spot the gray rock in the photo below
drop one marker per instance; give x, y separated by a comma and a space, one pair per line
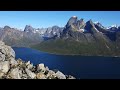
15, 73
19, 61
1, 74
24, 76
47, 69
41, 76
4, 66
30, 66
13, 62
6, 50
30, 74
41, 67
60, 75
51, 75
11, 52
3, 50
70, 77
27, 63
2, 57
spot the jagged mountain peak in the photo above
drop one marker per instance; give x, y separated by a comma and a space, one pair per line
7, 27
113, 26
74, 16
89, 24
28, 28
90, 21
71, 21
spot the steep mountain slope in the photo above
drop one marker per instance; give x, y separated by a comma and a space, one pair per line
83, 38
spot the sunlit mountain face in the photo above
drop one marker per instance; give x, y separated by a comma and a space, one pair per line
80, 37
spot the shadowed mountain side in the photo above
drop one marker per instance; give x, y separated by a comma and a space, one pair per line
83, 38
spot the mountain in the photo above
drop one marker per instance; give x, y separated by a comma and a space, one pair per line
30, 30
27, 37
52, 32
76, 37
84, 38
15, 37
82, 32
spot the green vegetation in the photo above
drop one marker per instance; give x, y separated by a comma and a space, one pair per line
67, 47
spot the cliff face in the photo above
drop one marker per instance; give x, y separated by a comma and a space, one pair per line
18, 69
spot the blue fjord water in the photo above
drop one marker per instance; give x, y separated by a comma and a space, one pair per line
84, 67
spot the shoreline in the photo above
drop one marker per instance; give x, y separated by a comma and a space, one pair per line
12, 68
66, 54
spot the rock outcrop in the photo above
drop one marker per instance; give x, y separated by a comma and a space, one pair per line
18, 69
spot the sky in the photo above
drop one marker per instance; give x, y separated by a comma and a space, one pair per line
43, 19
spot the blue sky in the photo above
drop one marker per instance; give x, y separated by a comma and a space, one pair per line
39, 19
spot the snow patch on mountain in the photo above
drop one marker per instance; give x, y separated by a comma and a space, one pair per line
113, 26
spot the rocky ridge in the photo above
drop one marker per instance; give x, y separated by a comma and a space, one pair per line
19, 69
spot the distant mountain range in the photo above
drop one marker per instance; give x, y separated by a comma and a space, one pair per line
29, 36
77, 37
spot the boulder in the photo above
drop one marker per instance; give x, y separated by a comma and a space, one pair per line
30, 74
60, 75
27, 63
15, 73
24, 76
41, 76
51, 75
41, 67
3, 50
70, 77
30, 66
11, 52
1, 74
2, 57
47, 69
6, 51
19, 61
4, 66
13, 62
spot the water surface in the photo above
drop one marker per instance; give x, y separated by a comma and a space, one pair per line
84, 67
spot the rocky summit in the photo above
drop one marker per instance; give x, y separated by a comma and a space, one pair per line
19, 69
87, 38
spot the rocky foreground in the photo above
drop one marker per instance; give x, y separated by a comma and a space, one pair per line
18, 69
